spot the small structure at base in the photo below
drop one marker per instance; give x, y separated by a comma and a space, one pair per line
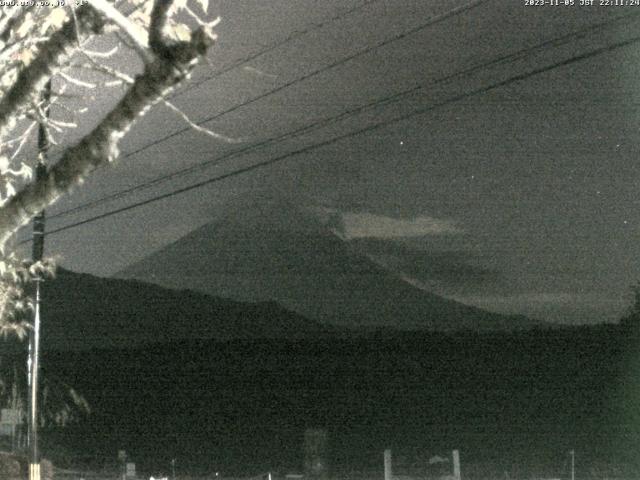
316, 452
16, 467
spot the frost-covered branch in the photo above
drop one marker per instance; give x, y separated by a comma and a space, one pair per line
33, 77
93, 64
156, 26
107, 54
23, 139
42, 44
11, 21
137, 37
100, 146
198, 128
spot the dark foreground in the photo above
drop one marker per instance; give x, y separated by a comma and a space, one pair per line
514, 404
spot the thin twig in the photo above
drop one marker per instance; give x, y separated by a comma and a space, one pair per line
136, 35
77, 82
107, 54
197, 127
23, 141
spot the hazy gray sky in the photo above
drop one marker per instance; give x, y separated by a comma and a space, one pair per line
522, 199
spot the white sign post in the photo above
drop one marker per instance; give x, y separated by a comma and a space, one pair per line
388, 471
456, 464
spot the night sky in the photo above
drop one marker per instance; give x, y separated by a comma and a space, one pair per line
527, 193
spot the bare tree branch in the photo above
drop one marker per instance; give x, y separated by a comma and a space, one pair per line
36, 74
107, 54
198, 128
156, 27
99, 67
23, 140
137, 37
101, 145
10, 21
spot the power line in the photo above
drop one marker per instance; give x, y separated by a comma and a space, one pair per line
432, 21
563, 39
370, 128
242, 61
274, 46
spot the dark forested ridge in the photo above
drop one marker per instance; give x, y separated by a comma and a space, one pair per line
81, 311
242, 406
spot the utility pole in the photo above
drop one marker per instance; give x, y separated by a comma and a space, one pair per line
573, 464
34, 340
388, 467
456, 464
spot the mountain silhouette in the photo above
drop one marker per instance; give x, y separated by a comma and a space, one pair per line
81, 311
266, 248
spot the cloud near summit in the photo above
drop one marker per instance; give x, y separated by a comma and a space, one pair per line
368, 225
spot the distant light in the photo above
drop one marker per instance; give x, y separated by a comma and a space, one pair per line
401, 142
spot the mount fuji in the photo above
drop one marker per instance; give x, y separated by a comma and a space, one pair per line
266, 248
